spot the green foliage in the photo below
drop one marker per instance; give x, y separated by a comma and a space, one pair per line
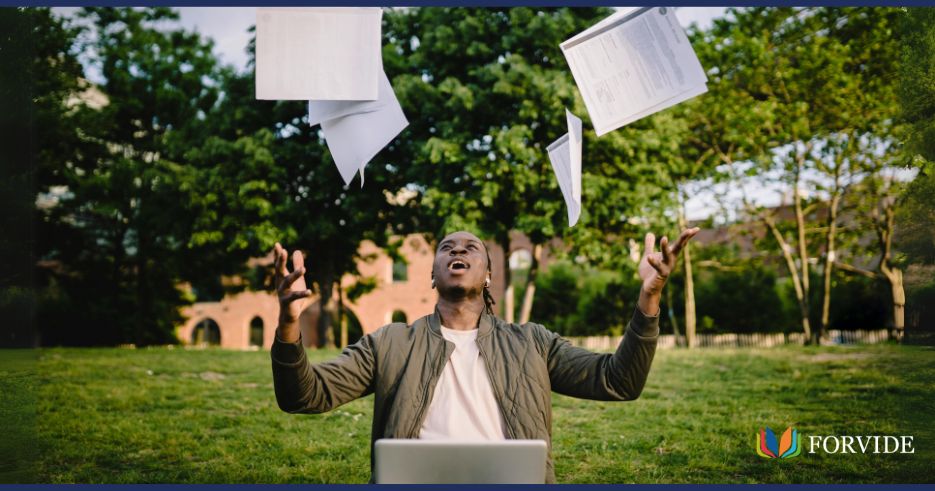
734, 293
858, 302
803, 100
575, 300
122, 226
38, 73
915, 234
361, 287
557, 294
917, 78
922, 298
741, 300
486, 91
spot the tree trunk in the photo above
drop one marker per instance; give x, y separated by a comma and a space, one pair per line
530, 294
803, 248
325, 333
672, 318
830, 253
117, 272
800, 292
800, 227
899, 304
894, 276
822, 330
690, 318
342, 318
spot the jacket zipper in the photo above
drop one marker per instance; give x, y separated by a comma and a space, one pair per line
425, 394
499, 394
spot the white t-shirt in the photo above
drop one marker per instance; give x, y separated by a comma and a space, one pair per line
463, 406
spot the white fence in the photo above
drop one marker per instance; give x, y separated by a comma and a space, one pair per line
754, 340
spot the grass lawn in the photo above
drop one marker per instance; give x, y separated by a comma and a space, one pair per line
173, 415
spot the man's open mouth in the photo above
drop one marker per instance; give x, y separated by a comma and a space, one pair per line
457, 265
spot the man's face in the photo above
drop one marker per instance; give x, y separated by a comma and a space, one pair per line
460, 264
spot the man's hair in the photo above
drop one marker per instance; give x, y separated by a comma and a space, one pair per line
488, 298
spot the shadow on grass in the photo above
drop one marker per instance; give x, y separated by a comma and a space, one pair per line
18, 449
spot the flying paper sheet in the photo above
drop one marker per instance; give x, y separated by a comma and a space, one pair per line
565, 155
355, 137
321, 111
318, 53
636, 62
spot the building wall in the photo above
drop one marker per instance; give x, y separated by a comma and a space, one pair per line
414, 297
233, 315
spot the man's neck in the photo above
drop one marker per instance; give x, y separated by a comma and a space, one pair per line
461, 314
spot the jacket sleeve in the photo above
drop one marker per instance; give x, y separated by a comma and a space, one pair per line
302, 387
619, 376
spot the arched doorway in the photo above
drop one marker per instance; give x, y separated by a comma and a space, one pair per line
256, 332
206, 333
399, 316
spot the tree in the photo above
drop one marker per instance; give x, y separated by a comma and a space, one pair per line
752, 113
310, 208
916, 218
803, 97
486, 92
39, 72
917, 79
122, 222
686, 166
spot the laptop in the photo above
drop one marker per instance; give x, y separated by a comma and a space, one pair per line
407, 461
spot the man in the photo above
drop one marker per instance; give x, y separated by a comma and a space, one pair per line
461, 372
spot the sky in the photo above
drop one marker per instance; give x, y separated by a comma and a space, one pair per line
228, 26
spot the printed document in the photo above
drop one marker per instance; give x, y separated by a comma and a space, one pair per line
636, 62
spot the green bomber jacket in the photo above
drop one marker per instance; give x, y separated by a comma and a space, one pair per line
400, 364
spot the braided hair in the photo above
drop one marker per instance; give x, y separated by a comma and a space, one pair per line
488, 297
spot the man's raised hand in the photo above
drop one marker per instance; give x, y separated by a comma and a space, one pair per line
655, 267
290, 287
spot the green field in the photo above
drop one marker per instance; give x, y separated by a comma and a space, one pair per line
209, 416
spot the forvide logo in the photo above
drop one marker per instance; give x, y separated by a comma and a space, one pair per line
788, 446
